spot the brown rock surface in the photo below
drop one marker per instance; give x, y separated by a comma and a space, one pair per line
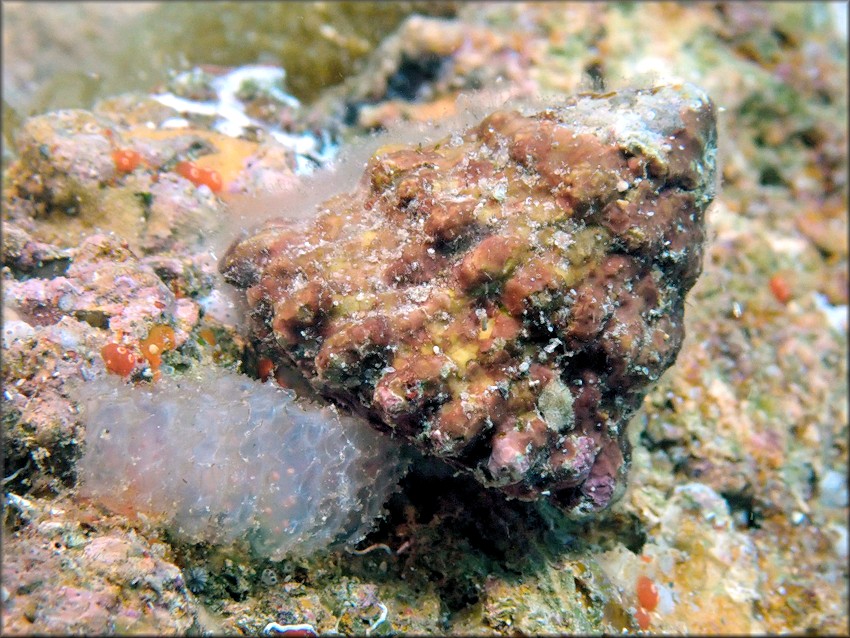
505, 297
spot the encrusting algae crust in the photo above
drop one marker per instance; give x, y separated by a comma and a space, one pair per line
504, 297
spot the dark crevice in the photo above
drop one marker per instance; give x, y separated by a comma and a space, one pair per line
770, 176
413, 75
745, 502
663, 445
595, 73
46, 269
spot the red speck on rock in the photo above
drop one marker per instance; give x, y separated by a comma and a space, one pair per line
126, 160
780, 288
119, 359
199, 175
643, 618
647, 593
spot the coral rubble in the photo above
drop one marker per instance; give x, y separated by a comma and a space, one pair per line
504, 297
69, 569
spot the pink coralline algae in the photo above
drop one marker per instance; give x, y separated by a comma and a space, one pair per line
502, 298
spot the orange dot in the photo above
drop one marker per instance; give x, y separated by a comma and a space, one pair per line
643, 618
198, 176
188, 170
647, 593
118, 359
212, 179
780, 288
126, 160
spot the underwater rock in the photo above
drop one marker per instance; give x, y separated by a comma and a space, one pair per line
505, 297
68, 569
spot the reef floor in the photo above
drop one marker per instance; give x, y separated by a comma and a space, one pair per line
115, 214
